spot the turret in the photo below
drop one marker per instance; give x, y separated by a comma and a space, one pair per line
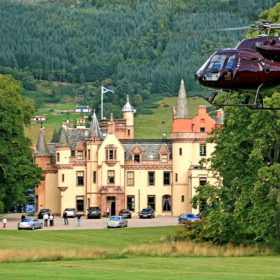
181, 119
128, 115
63, 149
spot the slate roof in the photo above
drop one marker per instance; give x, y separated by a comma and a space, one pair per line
74, 136
182, 111
128, 107
150, 151
63, 138
41, 147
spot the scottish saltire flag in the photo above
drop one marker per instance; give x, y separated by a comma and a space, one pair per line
106, 90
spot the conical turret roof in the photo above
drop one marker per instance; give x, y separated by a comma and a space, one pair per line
128, 107
94, 127
182, 110
63, 138
41, 147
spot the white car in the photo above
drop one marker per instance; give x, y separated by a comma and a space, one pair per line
117, 221
71, 212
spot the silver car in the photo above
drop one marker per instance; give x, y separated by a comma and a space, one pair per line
117, 221
30, 223
71, 212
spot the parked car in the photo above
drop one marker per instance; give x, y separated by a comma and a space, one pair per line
117, 221
71, 212
94, 212
30, 223
125, 213
147, 213
42, 212
188, 217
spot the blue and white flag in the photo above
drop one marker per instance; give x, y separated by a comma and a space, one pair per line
106, 90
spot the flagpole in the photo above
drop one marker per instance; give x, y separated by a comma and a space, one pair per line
101, 103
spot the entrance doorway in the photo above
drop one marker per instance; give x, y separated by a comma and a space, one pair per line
111, 204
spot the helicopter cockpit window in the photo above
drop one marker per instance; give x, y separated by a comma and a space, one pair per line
230, 62
216, 62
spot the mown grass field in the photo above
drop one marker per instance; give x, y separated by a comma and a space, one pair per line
147, 268
122, 266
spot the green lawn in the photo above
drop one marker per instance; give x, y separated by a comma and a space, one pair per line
147, 268
120, 266
111, 240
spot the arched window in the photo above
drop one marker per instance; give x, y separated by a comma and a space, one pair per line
166, 203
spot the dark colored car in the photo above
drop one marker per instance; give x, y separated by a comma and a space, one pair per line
188, 217
125, 213
42, 212
94, 212
147, 213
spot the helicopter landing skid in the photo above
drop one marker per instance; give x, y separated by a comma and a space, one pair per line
254, 105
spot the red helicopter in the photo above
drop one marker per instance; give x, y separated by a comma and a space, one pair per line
254, 64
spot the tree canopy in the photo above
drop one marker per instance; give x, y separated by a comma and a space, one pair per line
18, 174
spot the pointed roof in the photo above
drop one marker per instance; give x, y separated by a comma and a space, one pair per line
94, 127
63, 138
41, 147
128, 107
182, 111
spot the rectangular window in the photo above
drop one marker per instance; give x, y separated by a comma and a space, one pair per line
164, 158
111, 154
152, 202
202, 129
80, 155
176, 177
166, 178
128, 132
111, 177
62, 178
88, 151
80, 178
94, 177
72, 153
136, 158
130, 202
180, 151
57, 157
151, 178
202, 181
80, 203
202, 149
130, 178
182, 198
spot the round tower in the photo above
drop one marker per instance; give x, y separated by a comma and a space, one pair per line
128, 115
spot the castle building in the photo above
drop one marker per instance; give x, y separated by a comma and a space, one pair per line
104, 165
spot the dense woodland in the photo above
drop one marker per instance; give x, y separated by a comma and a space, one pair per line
140, 48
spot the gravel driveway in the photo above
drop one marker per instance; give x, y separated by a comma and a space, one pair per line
13, 219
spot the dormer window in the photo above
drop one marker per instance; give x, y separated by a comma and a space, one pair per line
80, 155
136, 158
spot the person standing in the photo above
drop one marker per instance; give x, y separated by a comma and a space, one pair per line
45, 218
23, 217
51, 219
108, 212
78, 220
65, 218
4, 223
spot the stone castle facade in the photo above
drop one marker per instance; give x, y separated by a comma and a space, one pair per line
104, 165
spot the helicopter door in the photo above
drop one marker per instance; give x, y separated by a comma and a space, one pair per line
214, 68
229, 67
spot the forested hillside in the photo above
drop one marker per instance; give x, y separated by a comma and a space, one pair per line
142, 48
